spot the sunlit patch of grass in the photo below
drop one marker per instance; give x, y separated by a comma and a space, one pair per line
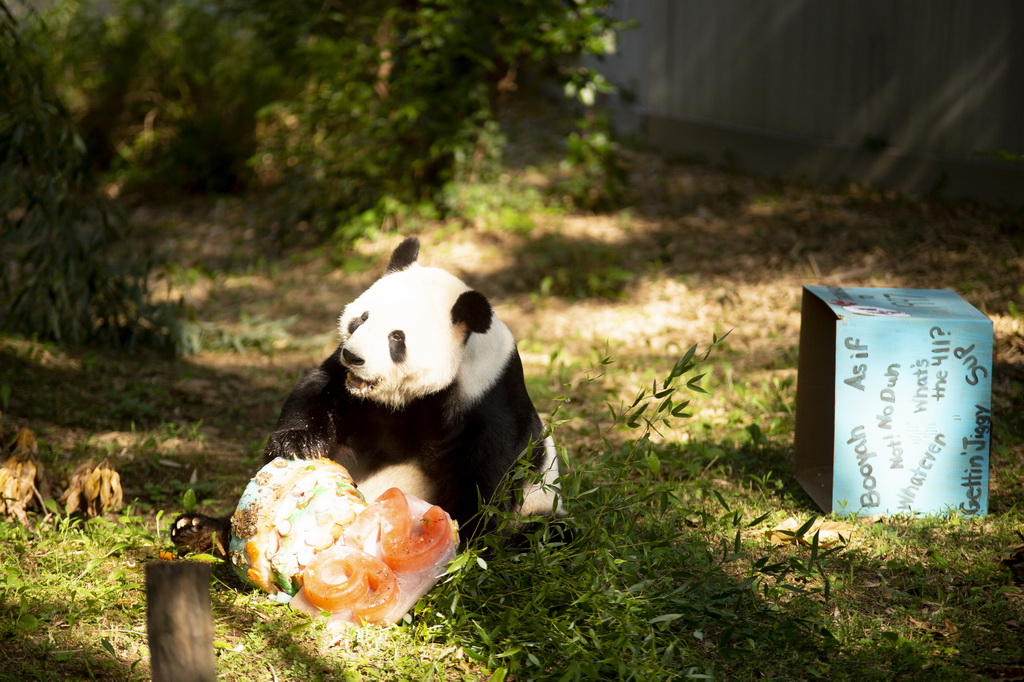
672, 574
647, 590
73, 602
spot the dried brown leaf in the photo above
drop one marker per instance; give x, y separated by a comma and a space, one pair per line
945, 629
784, 533
114, 497
830, 533
93, 490
19, 476
105, 490
26, 444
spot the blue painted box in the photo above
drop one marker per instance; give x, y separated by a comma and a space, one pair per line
893, 401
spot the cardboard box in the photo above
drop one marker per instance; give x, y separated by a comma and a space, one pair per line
893, 410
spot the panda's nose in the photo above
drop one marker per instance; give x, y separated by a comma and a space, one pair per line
351, 358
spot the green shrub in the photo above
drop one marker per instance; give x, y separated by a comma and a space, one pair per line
166, 91
597, 180
67, 272
400, 100
346, 108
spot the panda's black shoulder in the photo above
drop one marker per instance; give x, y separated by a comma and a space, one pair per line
507, 406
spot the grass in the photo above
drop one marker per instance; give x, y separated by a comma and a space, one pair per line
673, 575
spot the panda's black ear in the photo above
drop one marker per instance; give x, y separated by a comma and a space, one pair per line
473, 310
404, 255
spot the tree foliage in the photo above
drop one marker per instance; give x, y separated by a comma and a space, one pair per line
165, 92
65, 271
345, 111
341, 106
408, 102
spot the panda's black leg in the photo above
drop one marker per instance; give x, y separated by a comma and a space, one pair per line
201, 534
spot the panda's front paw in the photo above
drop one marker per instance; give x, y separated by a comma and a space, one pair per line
296, 444
201, 534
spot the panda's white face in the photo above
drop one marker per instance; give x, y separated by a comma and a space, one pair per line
400, 340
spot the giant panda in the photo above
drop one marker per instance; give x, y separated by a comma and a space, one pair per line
425, 392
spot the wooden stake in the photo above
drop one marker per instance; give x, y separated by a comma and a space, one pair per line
179, 621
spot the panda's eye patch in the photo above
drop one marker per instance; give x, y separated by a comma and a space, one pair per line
396, 344
355, 322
